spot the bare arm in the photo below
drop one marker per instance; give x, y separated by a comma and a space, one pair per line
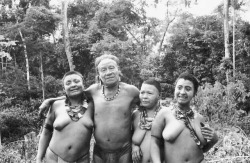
47, 104
45, 136
136, 150
156, 137
155, 150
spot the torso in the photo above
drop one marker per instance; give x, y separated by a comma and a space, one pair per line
142, 137
70, 139
177, 139
112, 119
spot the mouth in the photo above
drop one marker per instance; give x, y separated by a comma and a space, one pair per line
74, 90
182, 98
145, 102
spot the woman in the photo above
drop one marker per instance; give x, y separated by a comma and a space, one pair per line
68, 126
182, 129
143, 118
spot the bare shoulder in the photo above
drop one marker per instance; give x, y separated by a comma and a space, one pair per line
133, 90
57, 105
135, 114
92, 88
165, 113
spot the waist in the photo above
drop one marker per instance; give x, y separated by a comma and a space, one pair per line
117, 150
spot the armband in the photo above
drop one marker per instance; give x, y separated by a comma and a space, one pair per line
48, 127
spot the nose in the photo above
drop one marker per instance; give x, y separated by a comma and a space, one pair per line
144, 95
182, 91
108, 72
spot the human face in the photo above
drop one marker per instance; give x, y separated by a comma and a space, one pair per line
184, 91
73, 85
108, 72
149, 96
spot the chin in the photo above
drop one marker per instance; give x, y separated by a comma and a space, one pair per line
111, 84
75, 94
183, 103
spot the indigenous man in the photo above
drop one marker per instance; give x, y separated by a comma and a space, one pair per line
113, 101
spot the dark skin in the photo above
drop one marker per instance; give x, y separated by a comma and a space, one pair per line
149, 97
70, 139
176, 135
112, 119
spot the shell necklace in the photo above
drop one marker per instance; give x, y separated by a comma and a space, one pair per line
185, 116
143, 123
76, 112
113, 97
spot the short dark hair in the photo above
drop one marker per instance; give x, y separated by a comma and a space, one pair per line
72, 73
152, 81
190, 77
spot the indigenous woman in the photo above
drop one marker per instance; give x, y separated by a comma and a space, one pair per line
68, 126
143, 118
181, 128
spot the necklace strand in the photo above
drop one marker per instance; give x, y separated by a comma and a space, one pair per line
76, 112
113, 97
185, 118
143, 123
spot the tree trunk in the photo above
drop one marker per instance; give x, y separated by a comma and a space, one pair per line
226, 28
233, 3
0, 139
66, 35
42, 75
26, 59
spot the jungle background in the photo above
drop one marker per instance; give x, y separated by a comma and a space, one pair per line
39, 42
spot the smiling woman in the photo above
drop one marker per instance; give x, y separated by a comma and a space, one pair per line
68, 126
181, 128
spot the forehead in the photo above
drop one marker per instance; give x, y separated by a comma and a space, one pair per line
107, 62
184, 82
72, 77
149, 87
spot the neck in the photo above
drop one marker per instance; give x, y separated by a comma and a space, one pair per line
111, 87
184, 107
75, 101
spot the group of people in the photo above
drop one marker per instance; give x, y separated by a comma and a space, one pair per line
149, 133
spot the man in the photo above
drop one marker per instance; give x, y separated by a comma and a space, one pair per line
113, 101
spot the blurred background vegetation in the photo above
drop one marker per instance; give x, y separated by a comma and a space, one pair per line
34, 56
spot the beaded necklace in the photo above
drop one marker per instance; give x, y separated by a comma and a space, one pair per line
185, 117
76, 112
113, 97
143, 123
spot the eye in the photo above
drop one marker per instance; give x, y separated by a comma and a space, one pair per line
179, 87
188, 88
76, 80
67, 83
103, 69
111, 67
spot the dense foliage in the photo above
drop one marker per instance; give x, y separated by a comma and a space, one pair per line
31, 39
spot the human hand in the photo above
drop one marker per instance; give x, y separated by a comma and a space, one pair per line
136, 153
209, 134
46, 104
